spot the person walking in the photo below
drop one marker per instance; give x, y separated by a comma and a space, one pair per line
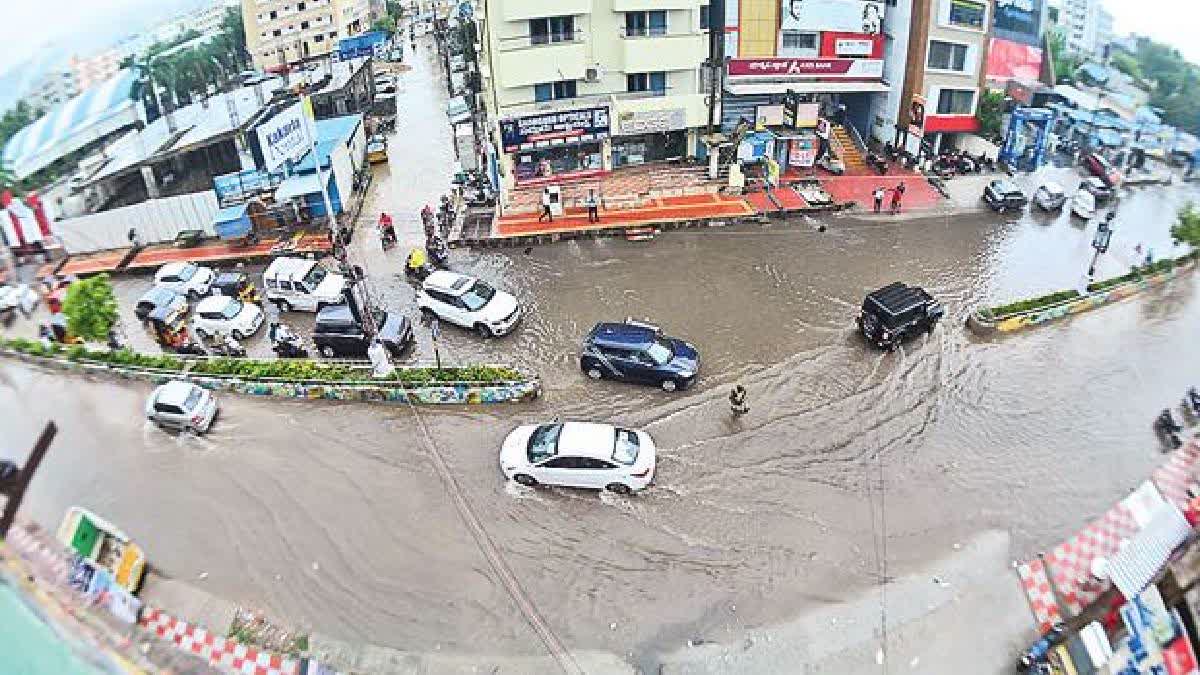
877, 195
737, 401
897, 197
592, 206
546, 214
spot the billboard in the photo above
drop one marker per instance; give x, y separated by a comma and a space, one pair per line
284, 137
805, 68
1018, 20
1013, 61
852, 16
548, 128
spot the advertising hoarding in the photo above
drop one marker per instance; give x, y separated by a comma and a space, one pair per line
1018, 20
542, 130
853, 47
284, 137
854, 16
805, 68
1013, 61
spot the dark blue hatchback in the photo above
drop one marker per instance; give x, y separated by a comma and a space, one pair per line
639, 352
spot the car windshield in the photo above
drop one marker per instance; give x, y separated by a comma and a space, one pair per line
193, 399
187, 272
478, 296
625, 447
543, 444
315, 276
232, 309
660, 352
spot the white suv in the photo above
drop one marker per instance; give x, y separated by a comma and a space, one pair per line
185, 278
225, 315
299, 283
468, 302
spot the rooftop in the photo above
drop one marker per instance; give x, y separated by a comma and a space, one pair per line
621, 335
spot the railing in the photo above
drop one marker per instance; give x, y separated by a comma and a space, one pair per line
645, 31
854, 135
530, 40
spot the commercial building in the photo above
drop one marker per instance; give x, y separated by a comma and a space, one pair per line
575, 88
1085, 25
96, 68
945, 74
280, 32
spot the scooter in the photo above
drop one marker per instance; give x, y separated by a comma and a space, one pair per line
285, 343
1191, 403
227, 345
417, 267
439, 254
1168, 429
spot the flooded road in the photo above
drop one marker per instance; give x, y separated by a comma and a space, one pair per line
332, 517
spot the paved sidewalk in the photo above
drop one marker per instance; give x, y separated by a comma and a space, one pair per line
657, 211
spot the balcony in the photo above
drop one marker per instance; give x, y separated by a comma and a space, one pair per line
646, 53
527, 64
521, 10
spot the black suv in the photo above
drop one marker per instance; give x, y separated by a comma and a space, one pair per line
1003, 195
337, 333
896, 311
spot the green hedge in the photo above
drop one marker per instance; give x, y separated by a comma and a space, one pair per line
1063, 296
287, 369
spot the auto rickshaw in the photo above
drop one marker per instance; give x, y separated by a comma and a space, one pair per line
171, 332
236, 285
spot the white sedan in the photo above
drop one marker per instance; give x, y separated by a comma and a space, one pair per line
225, 315
185, 278
182, 405
579, 454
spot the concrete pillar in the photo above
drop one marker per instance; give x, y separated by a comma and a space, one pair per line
150, 181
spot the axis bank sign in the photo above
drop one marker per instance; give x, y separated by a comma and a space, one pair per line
858, 69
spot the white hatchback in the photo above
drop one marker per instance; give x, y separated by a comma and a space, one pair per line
225, 315
579, 454
182, 405
469, 302
185, 278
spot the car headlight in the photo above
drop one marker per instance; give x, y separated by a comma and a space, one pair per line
687, 373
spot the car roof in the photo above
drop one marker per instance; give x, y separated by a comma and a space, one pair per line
214, 303
172, 267
335, 314
288, 268
586, 439
175, 392
1094, 180
158, 295
611, 334
1051, 186
1006, 186
229, 277
896, 297
448, 282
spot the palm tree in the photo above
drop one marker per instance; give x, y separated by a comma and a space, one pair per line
233, 29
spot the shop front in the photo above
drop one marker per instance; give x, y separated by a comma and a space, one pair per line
557, 145
649, 136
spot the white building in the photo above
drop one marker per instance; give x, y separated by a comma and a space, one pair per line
287, 31
1086, 25
56, 86
576, 87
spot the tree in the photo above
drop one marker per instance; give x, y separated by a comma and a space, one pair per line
90, 308
386, 24
1126, 64
1187, 229
234, 31
395, 9
991, 113
1065, 64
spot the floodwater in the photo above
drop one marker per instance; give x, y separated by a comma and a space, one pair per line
331, 516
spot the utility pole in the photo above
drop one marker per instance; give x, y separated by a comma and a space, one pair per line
14, 487
1101, 241
716, 57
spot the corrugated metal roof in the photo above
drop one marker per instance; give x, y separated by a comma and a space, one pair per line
1141, 558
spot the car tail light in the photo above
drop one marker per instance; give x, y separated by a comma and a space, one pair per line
197, 419
643, 474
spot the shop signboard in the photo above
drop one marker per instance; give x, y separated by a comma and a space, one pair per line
803, 152
1009, 60
806, 68
1019, 20
284, 137
851, 16
768, 116
631, 122
857, 47
554, 128
1178, 657
916, 115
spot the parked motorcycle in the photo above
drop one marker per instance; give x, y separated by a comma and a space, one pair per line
439, 254
1168, 429
878, 163
227, 345
285, 343
387, 232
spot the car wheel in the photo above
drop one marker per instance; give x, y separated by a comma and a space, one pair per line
327, 352
594, 373
525, 479
237, 335
483, 330
201, 333
283, 305
669, 385
619, 488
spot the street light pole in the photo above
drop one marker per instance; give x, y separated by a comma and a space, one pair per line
1101, 241
14, 488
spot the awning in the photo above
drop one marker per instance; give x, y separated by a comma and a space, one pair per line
802, 87
298, 186
1139, 560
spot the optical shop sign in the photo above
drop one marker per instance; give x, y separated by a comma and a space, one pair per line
543, 130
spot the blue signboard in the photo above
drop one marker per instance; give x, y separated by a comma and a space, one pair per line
360, 45
1019, 21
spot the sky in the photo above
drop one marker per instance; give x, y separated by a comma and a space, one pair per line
1171, 21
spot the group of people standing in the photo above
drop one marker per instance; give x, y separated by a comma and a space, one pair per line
880, 192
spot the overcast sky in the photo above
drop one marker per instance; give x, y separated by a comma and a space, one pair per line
1174, 22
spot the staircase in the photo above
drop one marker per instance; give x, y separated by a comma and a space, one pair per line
847, 148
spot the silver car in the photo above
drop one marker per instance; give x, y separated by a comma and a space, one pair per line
182, 405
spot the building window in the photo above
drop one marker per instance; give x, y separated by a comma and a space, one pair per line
704, 17
274, 15
641, 24
652, 82
300, 7
303, 25
967, 13
947, 56
956, 101
276, 32
552, 91
552, 29
318, 38
795, 40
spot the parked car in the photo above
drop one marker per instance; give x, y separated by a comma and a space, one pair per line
221, 314
299, 283
337, 333
1101, 191
579, 454
1003, 195
159, 297
468, 302
182, 405
1100, 167
1083, 204
639, 352
897, 311
1050, 197
184, 278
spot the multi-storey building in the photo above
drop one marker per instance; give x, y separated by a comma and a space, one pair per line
53, 88
96, 68
578, 87
280, 32
1085, 25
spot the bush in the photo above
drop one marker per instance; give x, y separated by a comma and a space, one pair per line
90, 308
1137, 273
1032, 303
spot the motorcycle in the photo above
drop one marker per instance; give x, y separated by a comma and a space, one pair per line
1168, 429
417, 266
439, 254
227, 345
877, 163
285, 343
1191, 402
